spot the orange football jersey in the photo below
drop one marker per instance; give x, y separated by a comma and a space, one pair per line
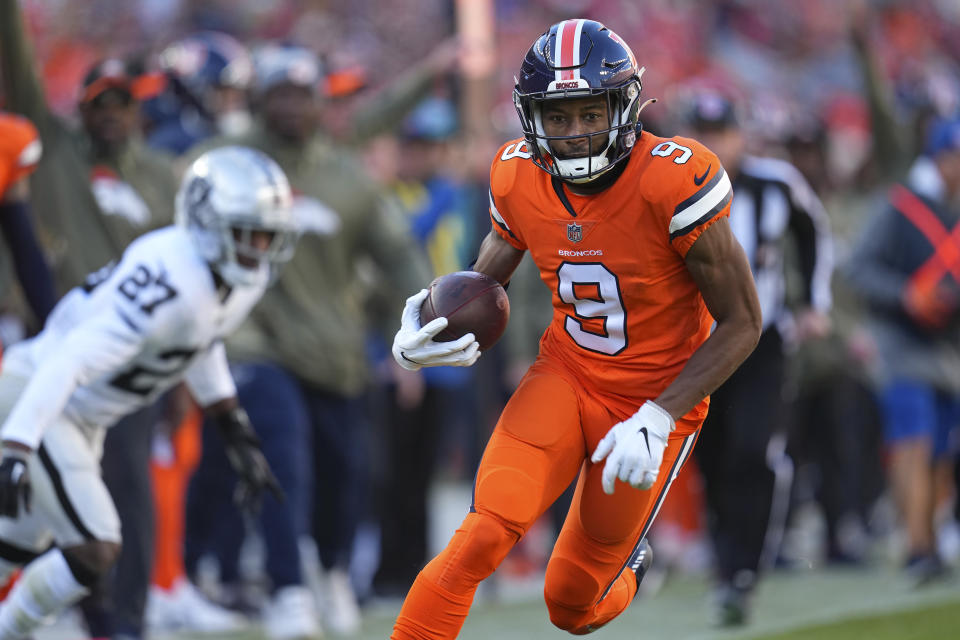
20, 149
627, 315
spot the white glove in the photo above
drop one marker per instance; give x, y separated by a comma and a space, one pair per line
414, 346
634, 448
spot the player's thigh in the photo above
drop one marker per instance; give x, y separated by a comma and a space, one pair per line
628, 512
602, 533
535, 451
70, 498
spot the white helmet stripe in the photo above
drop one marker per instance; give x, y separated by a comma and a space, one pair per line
568, 50
576, 50
558, 52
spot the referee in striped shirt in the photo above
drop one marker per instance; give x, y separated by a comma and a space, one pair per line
740, 452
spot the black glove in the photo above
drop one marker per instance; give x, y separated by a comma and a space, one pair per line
14, 483
242, 447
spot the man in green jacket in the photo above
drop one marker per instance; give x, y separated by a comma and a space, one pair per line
300, 359
96, 189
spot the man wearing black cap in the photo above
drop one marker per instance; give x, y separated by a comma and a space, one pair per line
746, 475
96, 189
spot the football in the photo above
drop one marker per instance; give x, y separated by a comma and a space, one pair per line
471, 302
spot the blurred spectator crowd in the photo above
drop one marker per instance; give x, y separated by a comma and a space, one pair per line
372, 110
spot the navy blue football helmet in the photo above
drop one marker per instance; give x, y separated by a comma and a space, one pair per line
208, 59
575, 59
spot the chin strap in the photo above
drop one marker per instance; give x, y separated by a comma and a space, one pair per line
585, 180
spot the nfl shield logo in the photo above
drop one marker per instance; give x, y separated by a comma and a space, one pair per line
574, 232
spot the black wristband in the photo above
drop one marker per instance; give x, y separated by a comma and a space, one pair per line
234, 425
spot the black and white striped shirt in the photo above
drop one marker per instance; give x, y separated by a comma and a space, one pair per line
772, 201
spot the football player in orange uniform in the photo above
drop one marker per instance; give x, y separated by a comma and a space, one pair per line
629, 231
20, 150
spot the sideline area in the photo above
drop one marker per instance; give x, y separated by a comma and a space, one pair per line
787, 600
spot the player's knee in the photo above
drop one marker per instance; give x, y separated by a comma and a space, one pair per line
569, 620
488, 541
570, 592
475, 551
91, 560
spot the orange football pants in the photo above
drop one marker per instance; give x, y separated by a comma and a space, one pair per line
542, 441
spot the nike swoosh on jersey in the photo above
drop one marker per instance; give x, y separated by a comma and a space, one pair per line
698, 180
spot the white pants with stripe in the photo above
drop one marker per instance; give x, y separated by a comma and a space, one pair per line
70, 503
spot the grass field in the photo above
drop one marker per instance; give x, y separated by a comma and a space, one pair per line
810, 604
872, 604
930, 622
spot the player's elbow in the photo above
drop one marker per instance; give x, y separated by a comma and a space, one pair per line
751, 318
744, 326
753, 326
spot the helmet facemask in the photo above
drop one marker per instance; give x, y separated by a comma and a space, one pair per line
245, 261
237, 206
606, 147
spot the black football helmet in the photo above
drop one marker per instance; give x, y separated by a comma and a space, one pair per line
574, 59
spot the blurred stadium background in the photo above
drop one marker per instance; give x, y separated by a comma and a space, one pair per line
796, 67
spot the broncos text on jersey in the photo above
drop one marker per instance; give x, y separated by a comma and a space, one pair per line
627, 314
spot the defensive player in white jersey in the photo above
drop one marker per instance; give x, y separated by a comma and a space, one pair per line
113, 346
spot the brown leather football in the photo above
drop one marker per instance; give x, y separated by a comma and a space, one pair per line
471, 302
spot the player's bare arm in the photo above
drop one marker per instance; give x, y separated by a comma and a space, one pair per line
719, 267
498, 258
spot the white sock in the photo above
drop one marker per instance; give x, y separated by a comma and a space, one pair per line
45, 588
